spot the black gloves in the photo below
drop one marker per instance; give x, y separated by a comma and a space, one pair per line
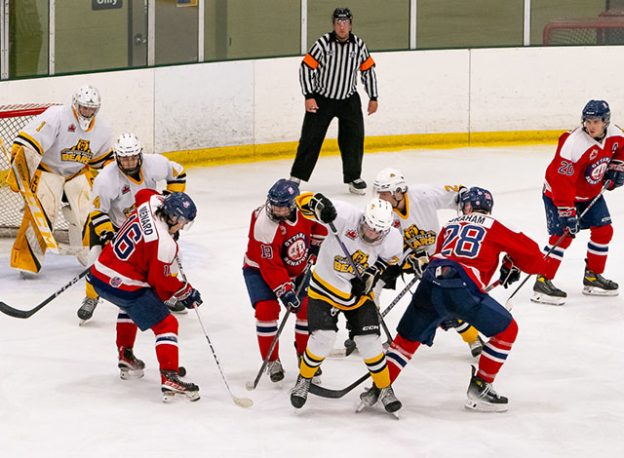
418, 261
615, 174
323, 208
189, 297
364, 285
508, 272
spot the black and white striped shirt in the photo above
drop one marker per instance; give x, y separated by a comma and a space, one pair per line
330, 68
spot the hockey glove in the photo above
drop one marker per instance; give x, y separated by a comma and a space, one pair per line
614, 174
458, 199
508, 272
189, 297
569, 220
361, 286
288, 298
449, 323
418, 261
105, 237
323, 208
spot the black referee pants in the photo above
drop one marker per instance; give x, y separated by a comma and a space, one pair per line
350, 137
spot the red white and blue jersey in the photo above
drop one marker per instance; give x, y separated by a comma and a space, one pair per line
476, 240
576, 173
143, 253
281, 249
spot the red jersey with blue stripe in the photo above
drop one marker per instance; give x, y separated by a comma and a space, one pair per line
143, 253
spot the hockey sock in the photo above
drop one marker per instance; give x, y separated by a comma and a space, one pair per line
267, 313
468, 333
301, 328
598, 248
309, 364
166, 333
556, 254
378, 368
495, 352
90, 290
399, 354
126, 330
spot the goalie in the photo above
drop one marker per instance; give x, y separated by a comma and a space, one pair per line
51, 160
113, 195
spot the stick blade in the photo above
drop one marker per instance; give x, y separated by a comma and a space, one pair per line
15, 313
243, 402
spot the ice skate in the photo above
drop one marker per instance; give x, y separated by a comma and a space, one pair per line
317, 375
476, 347
482, 397
358, 186
299, 393
350, 346
172, 386
368, 398
596, 285
544, 292
372, 395
85, 312
275, 371
130, 366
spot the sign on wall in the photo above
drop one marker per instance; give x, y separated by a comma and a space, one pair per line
106, 4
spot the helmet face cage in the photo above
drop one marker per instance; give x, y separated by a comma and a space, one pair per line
342, 14
281, 195
178, 207
597, 109
126, 146
378, 218
480, 200
88, 97
389, 180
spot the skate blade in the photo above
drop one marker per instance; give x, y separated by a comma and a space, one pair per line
476, 406
169, 396
549, 300
593, 291
128, 374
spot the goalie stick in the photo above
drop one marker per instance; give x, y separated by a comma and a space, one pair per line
16, 313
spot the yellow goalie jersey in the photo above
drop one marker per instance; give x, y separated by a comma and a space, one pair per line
331, 278
65, 149
113, 191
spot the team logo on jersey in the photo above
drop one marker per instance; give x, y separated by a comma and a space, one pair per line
115, 282
595, 172
351, 234
593, 154
295, 250
418, 239
71, 128
342, 264
125, 189
80, 152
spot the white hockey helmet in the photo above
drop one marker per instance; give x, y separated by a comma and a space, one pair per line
128, 146
389, 180
377, 221
87, 97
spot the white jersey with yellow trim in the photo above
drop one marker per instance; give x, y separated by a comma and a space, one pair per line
64, 147
420, 224
331, 278
113, 191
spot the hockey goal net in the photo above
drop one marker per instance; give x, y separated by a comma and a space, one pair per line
12, 119
608, 29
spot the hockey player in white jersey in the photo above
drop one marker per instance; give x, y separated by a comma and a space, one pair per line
57, 150
372, 245
416, 215
113, 197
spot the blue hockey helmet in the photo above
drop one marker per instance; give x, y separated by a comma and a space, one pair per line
480, 200
178, 207
281, 195
597, 109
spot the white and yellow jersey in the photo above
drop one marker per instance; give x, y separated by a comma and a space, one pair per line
332, 274
65, 149
113, 191
419, 223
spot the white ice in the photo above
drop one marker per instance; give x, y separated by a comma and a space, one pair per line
61, 395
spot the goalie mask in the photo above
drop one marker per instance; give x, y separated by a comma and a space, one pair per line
128, 153
280, 203
376, 221
86, 104
390, 180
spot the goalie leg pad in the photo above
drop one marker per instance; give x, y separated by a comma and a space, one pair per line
77, 192
28, 249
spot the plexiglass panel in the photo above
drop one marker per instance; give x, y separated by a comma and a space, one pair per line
176, 31
28, 38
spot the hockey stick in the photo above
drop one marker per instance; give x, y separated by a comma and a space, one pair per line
399, 296
241, 402
357, 273
252, 385
16, 313
560, 239
318, 390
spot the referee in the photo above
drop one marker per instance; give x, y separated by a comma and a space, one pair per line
328, 81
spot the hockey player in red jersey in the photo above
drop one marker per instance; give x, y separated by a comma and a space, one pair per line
453, 287
138, 271
281, 243
587, 158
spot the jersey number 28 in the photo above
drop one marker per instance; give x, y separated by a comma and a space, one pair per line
464, 241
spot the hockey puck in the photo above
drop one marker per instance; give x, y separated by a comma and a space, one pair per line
181, 371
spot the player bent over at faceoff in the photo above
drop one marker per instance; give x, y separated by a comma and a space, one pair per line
281, 243
373, 244
452, 286
138, 271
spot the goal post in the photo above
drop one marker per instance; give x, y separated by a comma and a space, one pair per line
607, 29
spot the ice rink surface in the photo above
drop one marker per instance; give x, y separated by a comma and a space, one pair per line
61, 395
